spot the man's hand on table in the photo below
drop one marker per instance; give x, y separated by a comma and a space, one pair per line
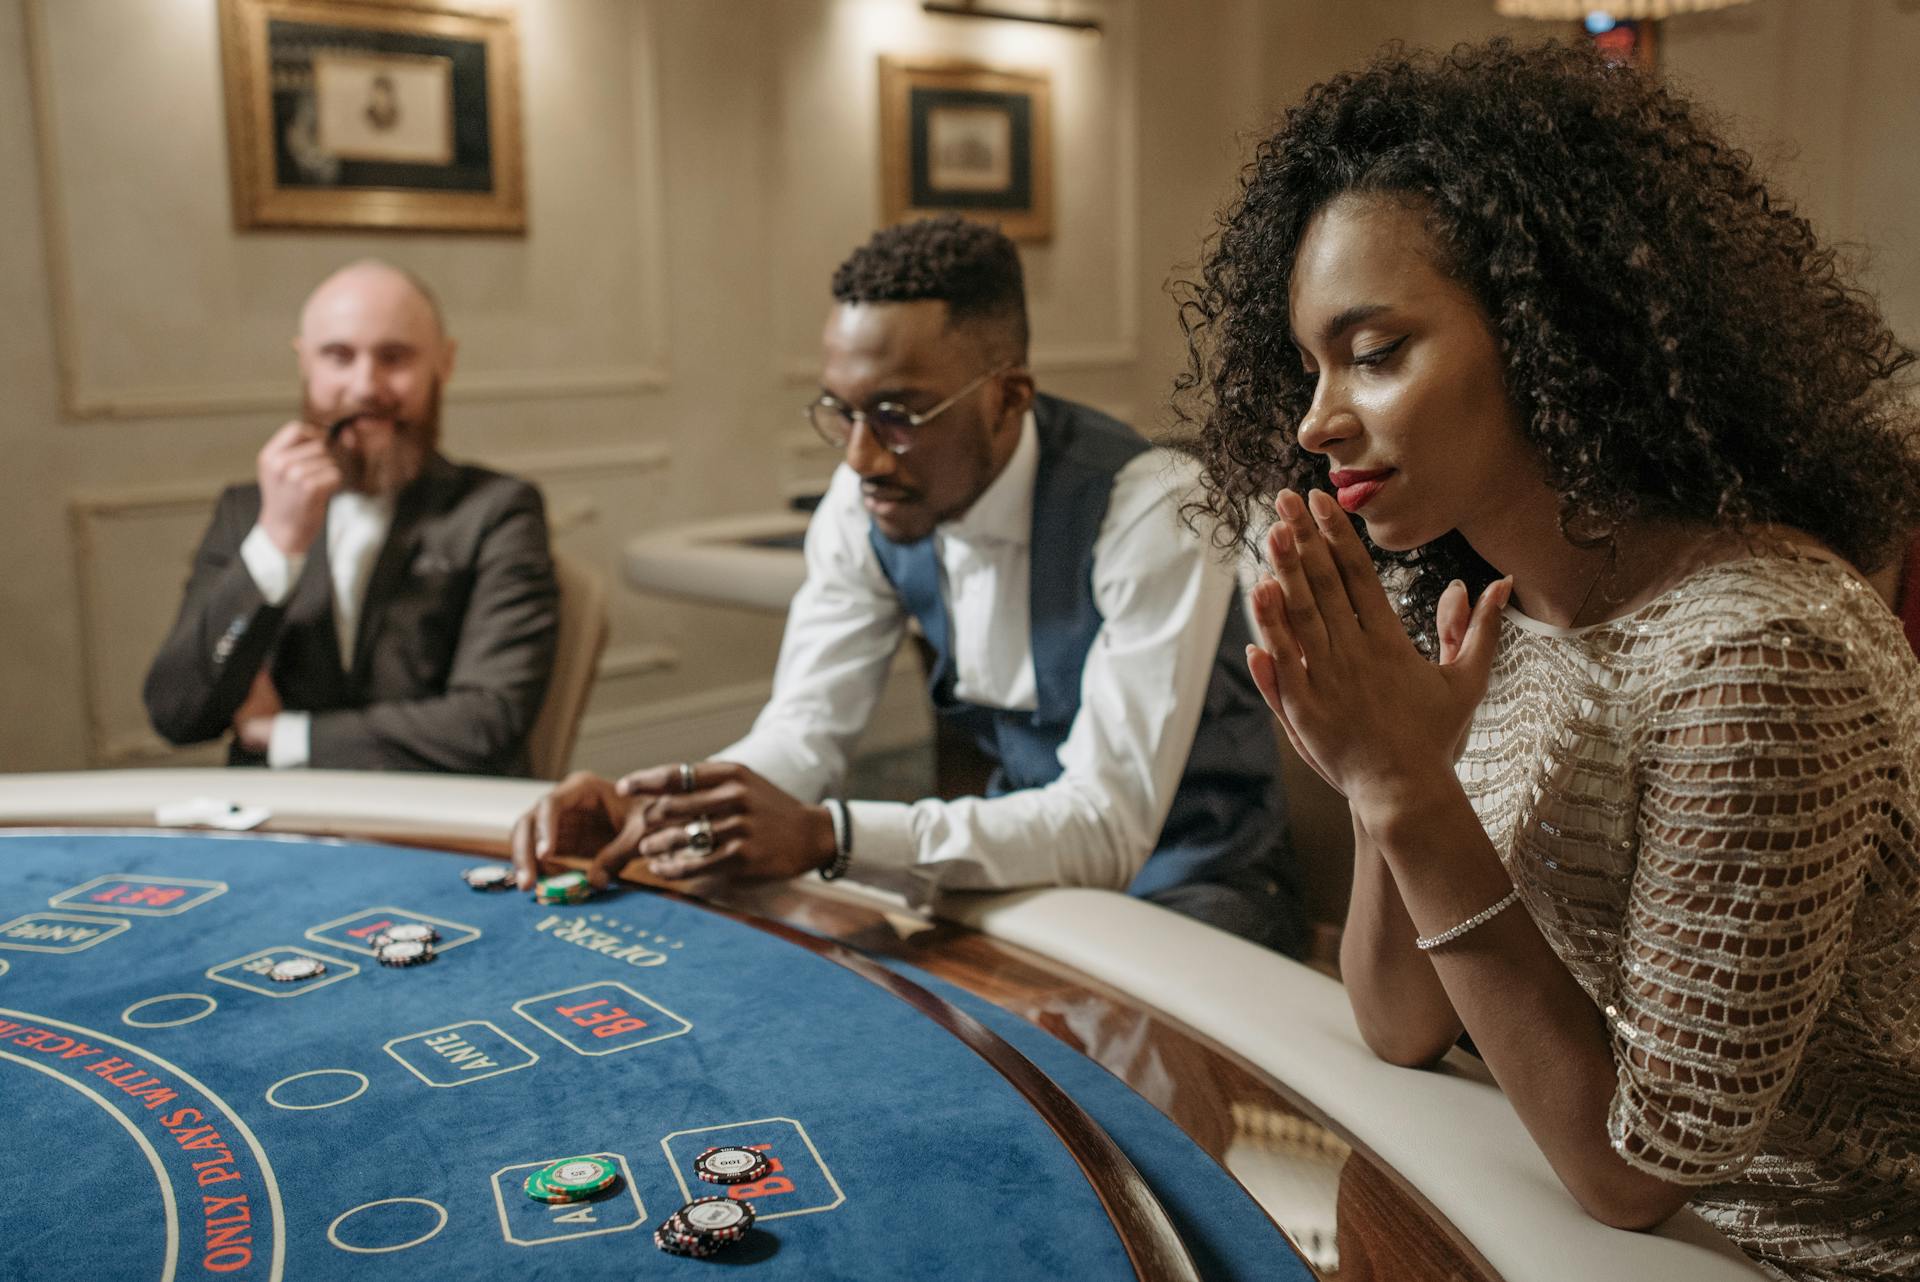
757, 831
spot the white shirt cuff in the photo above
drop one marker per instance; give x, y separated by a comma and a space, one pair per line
291, 741
882, 834
273, 571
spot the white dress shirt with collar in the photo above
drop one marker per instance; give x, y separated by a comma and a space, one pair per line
1163, 595
357, 526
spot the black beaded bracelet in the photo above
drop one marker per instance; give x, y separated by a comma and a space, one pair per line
836, 867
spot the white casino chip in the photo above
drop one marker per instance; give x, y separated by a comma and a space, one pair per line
297, 968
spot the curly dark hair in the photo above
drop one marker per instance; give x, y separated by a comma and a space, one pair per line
1677, 341
971, 267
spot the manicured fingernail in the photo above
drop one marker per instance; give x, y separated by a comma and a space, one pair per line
1320, 505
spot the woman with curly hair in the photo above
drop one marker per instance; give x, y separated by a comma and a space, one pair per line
1640, 821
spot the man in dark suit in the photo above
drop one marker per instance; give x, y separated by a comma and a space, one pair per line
366, 604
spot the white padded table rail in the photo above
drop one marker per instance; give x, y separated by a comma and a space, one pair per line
1449, 1132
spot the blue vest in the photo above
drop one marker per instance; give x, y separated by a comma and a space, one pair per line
1227, 821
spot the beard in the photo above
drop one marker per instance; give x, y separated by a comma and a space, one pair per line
390, 470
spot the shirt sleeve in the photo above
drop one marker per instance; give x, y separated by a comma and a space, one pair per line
842, 629
272, 571
1163, 596
1764, 798
289, 743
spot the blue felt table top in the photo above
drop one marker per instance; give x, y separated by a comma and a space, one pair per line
185, 1112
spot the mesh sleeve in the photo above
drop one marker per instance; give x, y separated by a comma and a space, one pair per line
1765, 786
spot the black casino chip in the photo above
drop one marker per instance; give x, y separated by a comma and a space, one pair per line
731, 1164
704, 1226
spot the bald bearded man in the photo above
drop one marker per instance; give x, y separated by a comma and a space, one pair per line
365, 604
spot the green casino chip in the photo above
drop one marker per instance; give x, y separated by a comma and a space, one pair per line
578, 1176
540, 1191
562, 888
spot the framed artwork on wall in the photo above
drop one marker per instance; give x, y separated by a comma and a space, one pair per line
391, 114
958, 137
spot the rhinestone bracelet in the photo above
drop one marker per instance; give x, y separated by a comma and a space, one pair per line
1480, 918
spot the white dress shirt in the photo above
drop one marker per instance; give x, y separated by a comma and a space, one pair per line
1163, 595
357, 526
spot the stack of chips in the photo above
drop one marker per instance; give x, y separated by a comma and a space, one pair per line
407, 944
731, 1165
572, 1179
563, 888
703, 1226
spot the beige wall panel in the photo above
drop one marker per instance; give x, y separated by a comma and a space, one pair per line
131, 554
169, 312
41, 717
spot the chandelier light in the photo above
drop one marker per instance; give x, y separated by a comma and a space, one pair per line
1575, 10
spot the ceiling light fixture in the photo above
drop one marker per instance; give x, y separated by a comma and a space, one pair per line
968, 9
1576, 10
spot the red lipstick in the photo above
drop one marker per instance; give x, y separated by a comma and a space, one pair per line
1352, 489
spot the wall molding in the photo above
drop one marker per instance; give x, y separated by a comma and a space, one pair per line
638, 660
206, 400
1058, 359
638, 456
651, 372
617, 740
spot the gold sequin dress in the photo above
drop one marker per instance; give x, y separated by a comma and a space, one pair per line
1709, 807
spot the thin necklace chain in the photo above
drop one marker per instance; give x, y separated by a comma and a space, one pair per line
1606, 568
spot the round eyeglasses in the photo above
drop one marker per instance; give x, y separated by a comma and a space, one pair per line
892, 425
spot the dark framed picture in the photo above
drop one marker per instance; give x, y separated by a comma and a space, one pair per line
963, 138
391, 114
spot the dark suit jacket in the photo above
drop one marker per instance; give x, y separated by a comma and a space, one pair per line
454, 648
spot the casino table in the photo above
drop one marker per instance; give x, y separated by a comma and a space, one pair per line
1040, 1085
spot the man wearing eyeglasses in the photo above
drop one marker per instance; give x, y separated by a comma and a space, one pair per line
1081, 634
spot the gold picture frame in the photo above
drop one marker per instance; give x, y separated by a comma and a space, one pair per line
969, 139
396, 115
